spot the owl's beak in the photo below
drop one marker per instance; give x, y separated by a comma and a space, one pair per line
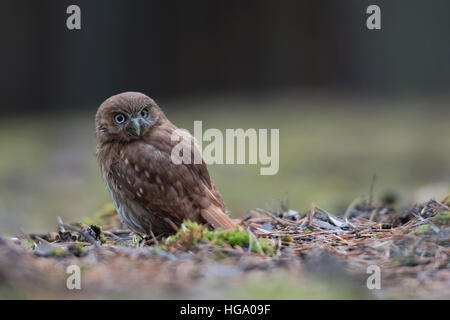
135, 127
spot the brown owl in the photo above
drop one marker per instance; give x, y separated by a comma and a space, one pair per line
150, 191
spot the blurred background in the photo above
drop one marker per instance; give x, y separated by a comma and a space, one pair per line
349, 102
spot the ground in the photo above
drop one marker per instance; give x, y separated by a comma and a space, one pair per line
278, 254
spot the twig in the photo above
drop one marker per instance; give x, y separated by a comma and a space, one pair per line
312, 213
250, 241
71, 228
323, 210
280, 221
443, 205
351, 206
373, 214
90, 238
279, 246
154, 238
172, 224
42, 240
251, 235
112, 235
61, 224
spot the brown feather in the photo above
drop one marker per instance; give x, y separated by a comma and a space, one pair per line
217, 218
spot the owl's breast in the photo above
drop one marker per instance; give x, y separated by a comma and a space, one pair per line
151, 193
133, 214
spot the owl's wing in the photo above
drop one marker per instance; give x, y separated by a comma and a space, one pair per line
175, 191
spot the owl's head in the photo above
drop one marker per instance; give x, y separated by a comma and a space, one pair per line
126, 116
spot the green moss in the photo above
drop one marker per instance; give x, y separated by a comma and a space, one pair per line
219, 243
423, 228
191, 225
77, 249
408, 261
442, 218
57, 252
219, 255
26, 243
195, 232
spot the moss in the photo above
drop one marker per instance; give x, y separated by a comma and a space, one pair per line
236, 238
26, 243
219, 255
191, 225
408, 261
195, 232
423, 228
77, 249
57, 252
442, 218
219, 243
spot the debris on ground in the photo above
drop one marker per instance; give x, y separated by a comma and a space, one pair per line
411, 248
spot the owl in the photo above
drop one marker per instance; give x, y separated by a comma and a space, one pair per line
152, 194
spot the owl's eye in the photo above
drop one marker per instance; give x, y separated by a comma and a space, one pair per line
144, 113
120, 118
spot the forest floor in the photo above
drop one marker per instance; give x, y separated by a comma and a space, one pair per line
369, 252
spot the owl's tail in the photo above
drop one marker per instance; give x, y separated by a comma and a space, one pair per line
217, 218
